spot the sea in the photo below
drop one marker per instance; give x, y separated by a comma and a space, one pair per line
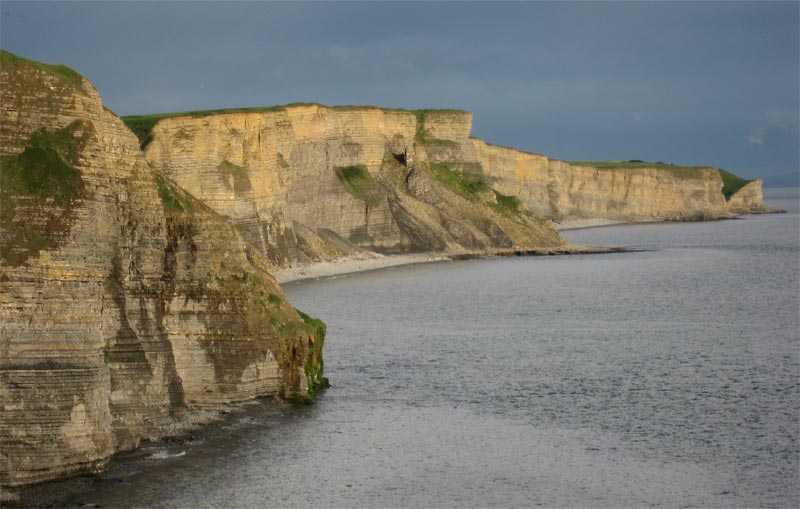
666, 376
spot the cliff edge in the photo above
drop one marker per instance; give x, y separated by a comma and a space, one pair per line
124, 301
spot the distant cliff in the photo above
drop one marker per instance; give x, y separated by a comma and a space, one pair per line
309, 182
123, 299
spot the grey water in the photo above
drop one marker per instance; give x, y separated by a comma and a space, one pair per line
666, 377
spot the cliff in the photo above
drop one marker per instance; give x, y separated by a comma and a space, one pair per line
124, 301
307, 182
626, 191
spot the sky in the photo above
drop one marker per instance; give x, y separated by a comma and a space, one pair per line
695, 83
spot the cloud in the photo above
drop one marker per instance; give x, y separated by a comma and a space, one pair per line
757, 136
776, 121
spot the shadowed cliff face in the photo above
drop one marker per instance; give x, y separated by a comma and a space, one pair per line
123, 300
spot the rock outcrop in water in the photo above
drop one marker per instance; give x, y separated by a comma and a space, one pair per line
123, 299
309, 182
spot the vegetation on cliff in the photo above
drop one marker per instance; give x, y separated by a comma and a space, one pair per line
39, 188
464, 186
731, 183
633, 163
67, 76
358, 182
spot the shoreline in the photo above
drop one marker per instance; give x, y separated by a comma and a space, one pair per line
370, 261
579, 224
363, 262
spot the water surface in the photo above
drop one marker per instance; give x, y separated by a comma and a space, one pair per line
666, 377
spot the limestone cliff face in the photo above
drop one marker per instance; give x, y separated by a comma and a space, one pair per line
563, 191
311, 183
277, 175
123, 300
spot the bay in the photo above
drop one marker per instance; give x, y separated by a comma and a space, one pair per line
666, 377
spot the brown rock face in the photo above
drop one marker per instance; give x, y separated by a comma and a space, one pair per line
123, 300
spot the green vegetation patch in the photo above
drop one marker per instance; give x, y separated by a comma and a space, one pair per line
731, 183
314, 366
45, 169
633, 163
38, 190
319, 326
507, 203
422, 136
464, 186
229, 168
173, 198
358, 182
67, 76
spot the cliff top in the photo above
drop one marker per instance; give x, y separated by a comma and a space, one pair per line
141, 125
67, 76
633, 163
731, 183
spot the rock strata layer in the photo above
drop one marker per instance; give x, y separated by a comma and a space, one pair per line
123, 299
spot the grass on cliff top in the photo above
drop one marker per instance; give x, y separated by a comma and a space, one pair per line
731, 183
359, 183
142, 125
633, 163
65, 74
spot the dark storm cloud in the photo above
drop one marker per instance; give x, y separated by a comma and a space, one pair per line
695, 83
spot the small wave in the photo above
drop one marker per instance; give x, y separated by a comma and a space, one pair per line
163, 455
